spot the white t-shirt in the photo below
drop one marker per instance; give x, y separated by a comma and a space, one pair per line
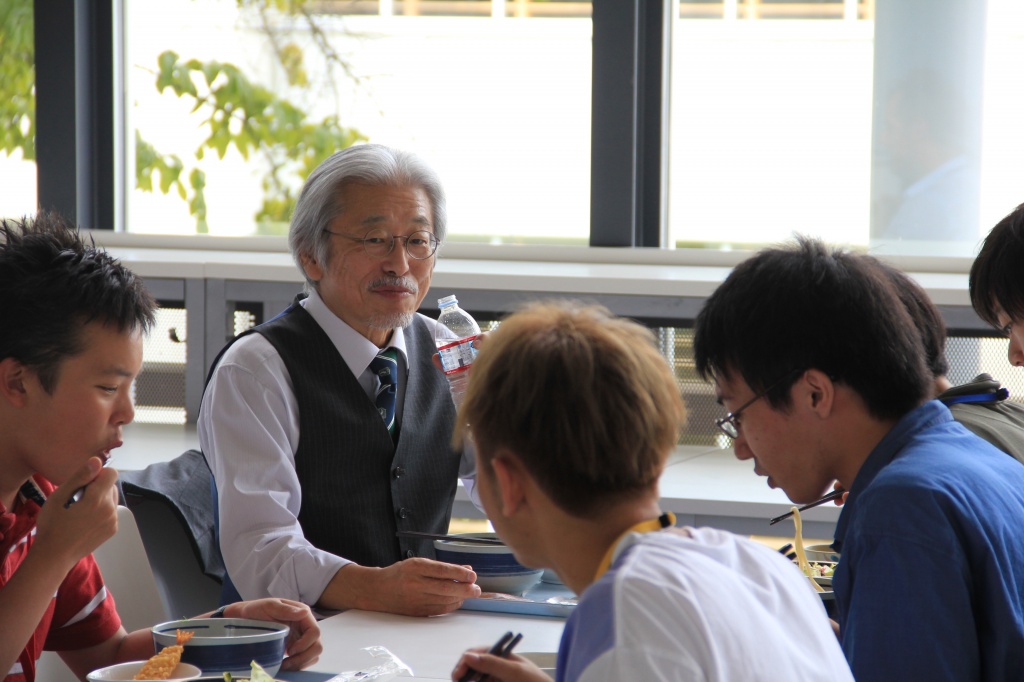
699, 604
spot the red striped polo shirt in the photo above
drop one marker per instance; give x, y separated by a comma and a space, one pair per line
81, 614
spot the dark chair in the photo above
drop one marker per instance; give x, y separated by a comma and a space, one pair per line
174, 511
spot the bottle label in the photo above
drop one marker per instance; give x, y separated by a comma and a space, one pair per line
457, 355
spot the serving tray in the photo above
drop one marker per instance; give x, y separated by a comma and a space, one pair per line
544, 599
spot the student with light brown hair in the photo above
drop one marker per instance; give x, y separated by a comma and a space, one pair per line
573, 412
585, 367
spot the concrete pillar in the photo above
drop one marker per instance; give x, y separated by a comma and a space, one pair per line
926, 123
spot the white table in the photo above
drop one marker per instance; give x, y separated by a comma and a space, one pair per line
703, 486
429, 646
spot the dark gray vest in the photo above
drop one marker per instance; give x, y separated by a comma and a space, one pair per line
358, 488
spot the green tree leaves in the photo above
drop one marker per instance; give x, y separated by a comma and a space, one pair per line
239, 113
17, 79
235, 111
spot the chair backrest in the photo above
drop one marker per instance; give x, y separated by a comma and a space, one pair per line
184, 589
174, 510
127, 574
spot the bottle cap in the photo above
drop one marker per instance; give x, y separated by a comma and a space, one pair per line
447, 300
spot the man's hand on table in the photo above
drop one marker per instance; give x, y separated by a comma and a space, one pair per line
413, 587
303, 646
515, 668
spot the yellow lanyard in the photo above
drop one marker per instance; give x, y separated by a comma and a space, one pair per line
664, 521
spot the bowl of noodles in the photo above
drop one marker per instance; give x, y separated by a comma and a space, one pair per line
220, 645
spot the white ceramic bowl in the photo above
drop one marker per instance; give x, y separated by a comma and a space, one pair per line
551, 577
222, 645
495, 565
514, 583
821, 553
127, 671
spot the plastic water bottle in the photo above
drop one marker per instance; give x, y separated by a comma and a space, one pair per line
456, 330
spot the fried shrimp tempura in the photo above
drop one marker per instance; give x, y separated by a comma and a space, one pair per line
163, 664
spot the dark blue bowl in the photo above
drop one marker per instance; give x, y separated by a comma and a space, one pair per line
483, 558
496, 567
222, 645
482, 563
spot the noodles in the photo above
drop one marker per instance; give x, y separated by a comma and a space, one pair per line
801, 556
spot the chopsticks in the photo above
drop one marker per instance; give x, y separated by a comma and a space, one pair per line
454, 538
80, 490
835, 494
502, 648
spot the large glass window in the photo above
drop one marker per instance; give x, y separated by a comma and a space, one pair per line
232, 102
17, 110
892, 124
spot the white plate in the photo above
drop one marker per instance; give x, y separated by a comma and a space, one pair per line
126, 671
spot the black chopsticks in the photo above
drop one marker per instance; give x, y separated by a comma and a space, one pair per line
835, 494
80, 490
453, 538
76, 496
502, 648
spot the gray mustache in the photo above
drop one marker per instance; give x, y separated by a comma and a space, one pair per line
404, 282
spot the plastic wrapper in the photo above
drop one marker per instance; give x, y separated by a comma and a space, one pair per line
388, 667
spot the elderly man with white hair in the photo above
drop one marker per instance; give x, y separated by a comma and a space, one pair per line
314, 474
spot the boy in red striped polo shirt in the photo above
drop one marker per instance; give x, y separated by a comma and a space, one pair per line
71, 325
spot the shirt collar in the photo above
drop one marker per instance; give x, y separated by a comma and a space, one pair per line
355, 349
924, 417
30, 490
630, 536
18, 522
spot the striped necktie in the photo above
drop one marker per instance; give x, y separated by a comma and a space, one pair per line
385, 366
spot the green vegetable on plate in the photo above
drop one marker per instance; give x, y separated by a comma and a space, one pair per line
258, 674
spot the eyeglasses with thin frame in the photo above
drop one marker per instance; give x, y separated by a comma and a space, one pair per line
729, 424
377, 243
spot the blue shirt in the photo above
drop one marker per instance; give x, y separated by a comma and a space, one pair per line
931, 581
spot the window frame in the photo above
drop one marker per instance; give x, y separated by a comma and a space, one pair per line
82, 168
84, 41
76, 125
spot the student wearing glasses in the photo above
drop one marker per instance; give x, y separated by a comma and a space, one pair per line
314, 476
573, 412
820, 363
997, 282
